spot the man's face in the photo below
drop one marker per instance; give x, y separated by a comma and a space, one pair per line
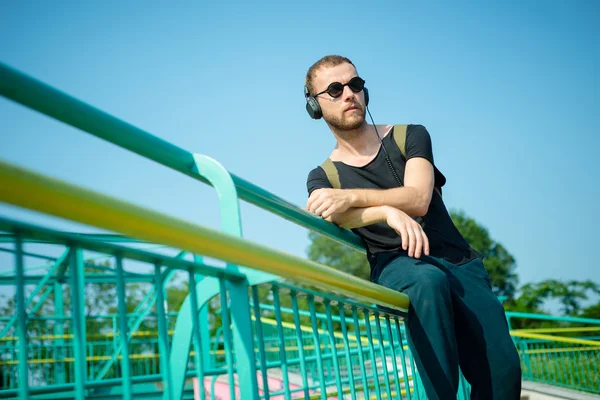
346, 112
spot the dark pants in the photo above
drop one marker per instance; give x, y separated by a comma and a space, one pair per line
455, 319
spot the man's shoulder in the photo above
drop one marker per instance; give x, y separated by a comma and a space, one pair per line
317, 179
417, 135
411, 131
316, 173
416, 129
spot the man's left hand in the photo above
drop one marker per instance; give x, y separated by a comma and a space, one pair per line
325, 202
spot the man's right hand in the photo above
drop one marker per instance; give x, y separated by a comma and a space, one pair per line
413, 237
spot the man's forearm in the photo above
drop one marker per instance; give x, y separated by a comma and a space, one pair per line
407, 199
359, 217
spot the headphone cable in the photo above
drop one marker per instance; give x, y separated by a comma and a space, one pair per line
387, 156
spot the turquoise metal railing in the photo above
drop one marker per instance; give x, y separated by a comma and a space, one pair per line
242, 339
41, 97
82, 382
38, 96
309, 352
560, 351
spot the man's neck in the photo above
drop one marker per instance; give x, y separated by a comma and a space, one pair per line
356, 143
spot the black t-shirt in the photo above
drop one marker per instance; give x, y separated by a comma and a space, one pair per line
382, 241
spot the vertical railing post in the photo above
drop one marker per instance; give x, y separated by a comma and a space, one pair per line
361, 356
204, 321
122, 306
317, 342
300, 342
22, 318
199, 344
59, 331
347, 350
227, 338
243, 340
386, 374
163, 338
281, 341
334, 353
78, 313
394, 358
261, 343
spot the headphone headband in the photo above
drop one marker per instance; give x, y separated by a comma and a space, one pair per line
306, 91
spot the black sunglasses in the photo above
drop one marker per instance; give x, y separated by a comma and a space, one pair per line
335, 89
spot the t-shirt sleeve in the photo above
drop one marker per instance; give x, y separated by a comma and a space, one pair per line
418, 144
317, 179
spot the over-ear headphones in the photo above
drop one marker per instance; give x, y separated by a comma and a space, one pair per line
314, 108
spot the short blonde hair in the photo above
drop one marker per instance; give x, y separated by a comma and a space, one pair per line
327, 61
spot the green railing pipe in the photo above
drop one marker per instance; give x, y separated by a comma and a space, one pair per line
24, 188
41, 97
220, 179
27, 254
511, 314
105, 237
31, 231
22, 321
57, 198
123, 331
79, 327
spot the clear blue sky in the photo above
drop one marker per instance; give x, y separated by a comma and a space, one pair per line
509, 91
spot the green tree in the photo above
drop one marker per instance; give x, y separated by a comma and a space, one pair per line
499, 263
570, 294
336, 255
592, 311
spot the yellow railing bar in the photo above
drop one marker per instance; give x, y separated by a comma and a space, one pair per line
89, 337
555, 338
21, 187
351, 337
153, 355
560, 350
558, 330
321, 331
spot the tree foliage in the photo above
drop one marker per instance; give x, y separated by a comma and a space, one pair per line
336, 255
499, 263
570, 294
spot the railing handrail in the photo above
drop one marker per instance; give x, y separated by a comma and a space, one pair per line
515, 314
57, 237
553, 338
24, 188
41, 97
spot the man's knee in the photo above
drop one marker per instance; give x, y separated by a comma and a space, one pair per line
430, 292
423, 283
432, 282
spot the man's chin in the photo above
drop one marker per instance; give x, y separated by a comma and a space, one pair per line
349, 123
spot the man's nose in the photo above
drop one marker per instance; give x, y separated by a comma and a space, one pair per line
348, 94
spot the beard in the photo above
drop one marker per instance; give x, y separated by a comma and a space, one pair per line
345, 123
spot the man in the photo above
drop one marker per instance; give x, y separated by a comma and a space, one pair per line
454, 318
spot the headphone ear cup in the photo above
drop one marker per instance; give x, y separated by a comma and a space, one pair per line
366, 96
313, 108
